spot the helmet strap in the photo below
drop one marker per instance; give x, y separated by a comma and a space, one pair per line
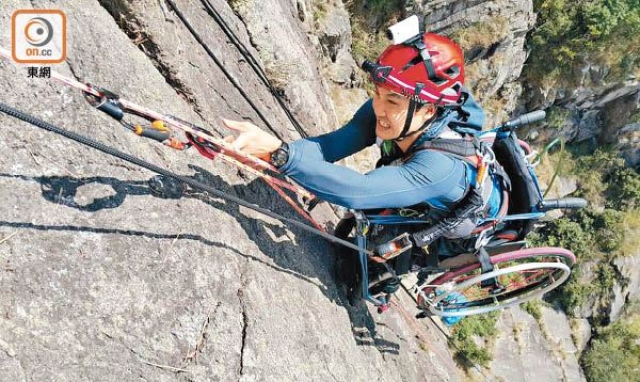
426, 58
425, 126
414, 104
407, 122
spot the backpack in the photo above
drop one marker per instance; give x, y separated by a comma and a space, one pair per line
520, 190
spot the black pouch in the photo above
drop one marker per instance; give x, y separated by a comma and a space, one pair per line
525, 195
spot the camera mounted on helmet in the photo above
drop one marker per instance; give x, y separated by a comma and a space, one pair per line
405, 30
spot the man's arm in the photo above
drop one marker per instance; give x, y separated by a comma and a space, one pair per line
427, 176
351, 138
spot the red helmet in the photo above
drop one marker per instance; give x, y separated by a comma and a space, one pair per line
430, 70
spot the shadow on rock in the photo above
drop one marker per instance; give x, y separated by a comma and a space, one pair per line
73, 192
64, 190
151, 235
364, 330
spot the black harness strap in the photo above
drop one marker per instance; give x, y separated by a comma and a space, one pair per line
414, 104
484, 260
485, 265
468, 207
407, 122
461, 148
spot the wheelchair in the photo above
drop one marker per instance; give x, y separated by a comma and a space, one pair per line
492, 268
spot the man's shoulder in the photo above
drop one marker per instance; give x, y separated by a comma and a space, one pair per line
432, 157
447, 141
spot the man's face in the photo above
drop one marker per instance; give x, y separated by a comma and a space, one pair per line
391, 112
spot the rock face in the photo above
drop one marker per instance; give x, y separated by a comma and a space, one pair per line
109, 273
493, 40
290, 57
627, 289
597, 112
525, 351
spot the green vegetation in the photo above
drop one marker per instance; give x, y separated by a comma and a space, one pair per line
590, 234
606, 180
534, 308
556, 116
574, 293
570, 32
596, 238
463, 336
236, 4
479, 37
367, 46
369, 21
319, 11
482, 34
614, 355
607, 229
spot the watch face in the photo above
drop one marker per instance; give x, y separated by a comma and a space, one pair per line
279, 157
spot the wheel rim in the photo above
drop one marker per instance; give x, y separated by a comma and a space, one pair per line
461, 293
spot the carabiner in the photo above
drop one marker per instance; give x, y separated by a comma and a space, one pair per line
362, 223
483, 239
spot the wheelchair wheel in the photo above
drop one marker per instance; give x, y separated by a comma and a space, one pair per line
517, 277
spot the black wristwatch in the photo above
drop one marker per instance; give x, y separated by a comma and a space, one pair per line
280, 156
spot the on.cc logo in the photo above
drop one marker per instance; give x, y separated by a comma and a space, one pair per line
38, 31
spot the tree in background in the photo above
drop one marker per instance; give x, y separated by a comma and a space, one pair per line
569, 32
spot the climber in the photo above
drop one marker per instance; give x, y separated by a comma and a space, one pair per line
419, 97
414, 101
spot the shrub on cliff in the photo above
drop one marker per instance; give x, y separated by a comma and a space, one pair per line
567, 32
614, 355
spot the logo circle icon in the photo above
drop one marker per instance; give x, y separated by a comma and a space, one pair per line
38, 31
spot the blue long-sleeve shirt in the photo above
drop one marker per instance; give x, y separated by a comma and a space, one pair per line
428, 176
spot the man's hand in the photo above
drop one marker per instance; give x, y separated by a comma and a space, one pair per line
252, 140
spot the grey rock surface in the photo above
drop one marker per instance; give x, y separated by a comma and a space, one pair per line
525, 352
333, 31
588, 128
290, 58
627, 289
559, 336
586, 271
582, 333
103, 278
618, 300
598, 114
629, 143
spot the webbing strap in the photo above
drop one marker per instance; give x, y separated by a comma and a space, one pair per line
485, 260
407, 122
485, 263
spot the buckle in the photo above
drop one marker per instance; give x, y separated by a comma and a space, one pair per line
394, 247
